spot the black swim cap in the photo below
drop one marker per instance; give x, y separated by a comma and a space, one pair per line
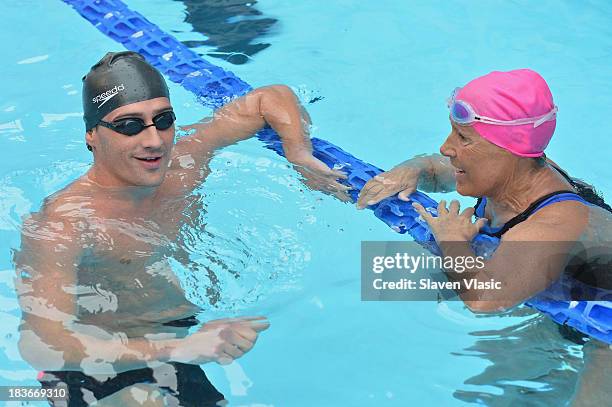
118, 79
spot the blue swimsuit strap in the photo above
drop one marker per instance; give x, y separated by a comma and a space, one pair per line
557, 196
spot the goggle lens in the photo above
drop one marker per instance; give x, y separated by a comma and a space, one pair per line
460, 113
164, 121
129, 127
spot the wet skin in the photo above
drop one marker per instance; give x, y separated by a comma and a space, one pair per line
475, 167
532, 254
93, 265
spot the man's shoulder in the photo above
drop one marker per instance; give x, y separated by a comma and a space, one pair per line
56, 206
193, 148
188, 167
52, 227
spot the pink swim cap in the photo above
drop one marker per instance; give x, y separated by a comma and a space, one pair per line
512, 95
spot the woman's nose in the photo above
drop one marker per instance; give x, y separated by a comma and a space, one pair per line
447, 149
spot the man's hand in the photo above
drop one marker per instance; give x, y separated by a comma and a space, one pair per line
319, 177
220, 341
450, 225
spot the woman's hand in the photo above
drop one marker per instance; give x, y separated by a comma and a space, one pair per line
450, 225
403, 179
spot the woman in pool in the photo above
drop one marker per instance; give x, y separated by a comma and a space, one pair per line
501, 124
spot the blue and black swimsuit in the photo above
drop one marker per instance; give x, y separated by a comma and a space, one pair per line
585, 194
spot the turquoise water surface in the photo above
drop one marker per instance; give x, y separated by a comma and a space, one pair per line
381, 71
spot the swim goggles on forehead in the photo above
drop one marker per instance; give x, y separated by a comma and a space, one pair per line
463, 113
131, 126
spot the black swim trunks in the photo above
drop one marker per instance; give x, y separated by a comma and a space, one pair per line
193, 387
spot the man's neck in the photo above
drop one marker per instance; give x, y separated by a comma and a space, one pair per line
118, 190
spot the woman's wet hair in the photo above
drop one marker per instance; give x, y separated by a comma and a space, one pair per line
583, 189
540, 161
590, 194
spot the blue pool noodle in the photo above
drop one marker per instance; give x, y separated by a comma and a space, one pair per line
214, 86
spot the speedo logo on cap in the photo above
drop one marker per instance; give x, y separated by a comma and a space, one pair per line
108, 95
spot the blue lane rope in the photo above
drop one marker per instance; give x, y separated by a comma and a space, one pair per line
214, 86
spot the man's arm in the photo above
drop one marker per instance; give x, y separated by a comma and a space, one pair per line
276, 106
240, 119
52, 338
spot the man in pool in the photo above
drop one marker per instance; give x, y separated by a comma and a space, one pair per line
500, 125
103, 312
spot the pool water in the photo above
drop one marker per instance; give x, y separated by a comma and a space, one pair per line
381, 72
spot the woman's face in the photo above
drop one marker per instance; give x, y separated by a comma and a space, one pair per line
480, 166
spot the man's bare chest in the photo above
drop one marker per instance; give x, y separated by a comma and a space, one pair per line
125, 248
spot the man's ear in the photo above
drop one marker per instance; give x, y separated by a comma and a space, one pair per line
90, 139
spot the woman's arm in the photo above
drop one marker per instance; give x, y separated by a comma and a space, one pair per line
429, 173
